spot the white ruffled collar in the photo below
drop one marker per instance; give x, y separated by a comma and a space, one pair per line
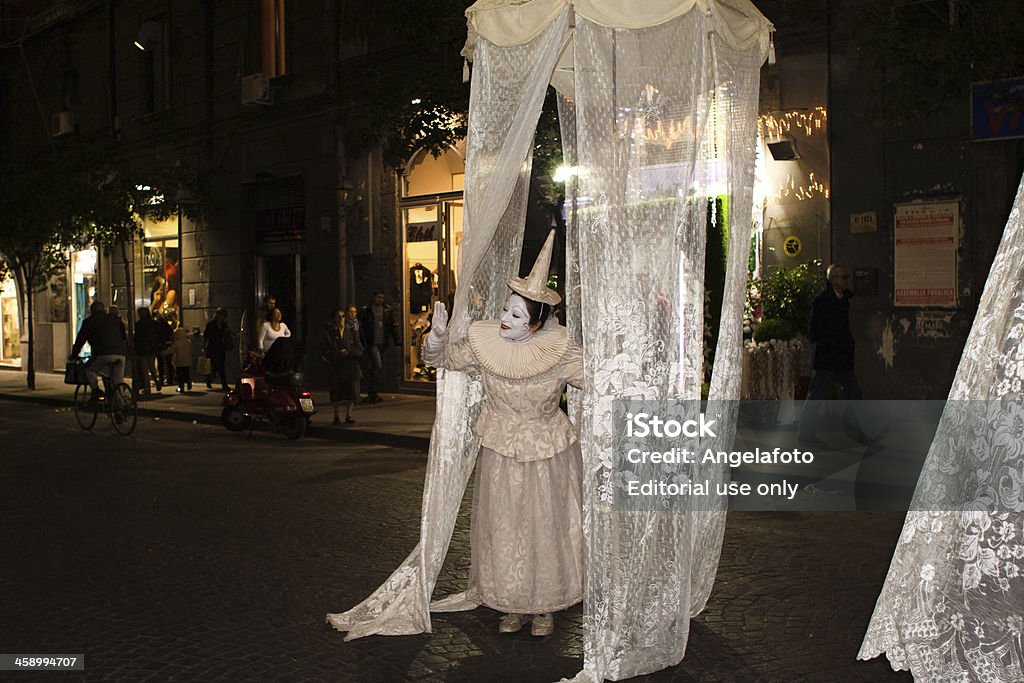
512, 360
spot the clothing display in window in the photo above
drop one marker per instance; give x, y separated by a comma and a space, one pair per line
421, 287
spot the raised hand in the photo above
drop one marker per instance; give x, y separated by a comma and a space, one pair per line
439, 323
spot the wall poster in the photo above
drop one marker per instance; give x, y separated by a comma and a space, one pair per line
926, 236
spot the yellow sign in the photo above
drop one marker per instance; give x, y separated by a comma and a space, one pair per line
792, 246
864, 222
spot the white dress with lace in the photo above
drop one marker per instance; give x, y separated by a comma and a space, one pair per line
527, 531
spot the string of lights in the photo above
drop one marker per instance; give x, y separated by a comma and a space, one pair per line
773, 127
814, 189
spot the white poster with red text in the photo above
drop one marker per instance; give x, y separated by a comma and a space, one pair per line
926, 235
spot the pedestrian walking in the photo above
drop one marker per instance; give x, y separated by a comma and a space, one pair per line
181, 353
217, 339
115, 313
378, 327
147, 348
165, 365
342, 349
829, 329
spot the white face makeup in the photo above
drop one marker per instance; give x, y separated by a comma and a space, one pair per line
515, 320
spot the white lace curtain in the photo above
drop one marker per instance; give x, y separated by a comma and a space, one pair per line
660, 118
952, 606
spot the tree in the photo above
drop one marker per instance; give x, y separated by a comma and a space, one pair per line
39, 203
414, 70
927, 54
52, 203
119, 198
419, 98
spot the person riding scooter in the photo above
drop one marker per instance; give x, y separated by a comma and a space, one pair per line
269, 389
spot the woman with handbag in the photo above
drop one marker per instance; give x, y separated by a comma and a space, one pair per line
217, 340
343, 348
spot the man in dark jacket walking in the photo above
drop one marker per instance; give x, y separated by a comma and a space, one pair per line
830, 331
378, 326
147, 348
103, 334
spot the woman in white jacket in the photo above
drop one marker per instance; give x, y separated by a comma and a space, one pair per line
273, 330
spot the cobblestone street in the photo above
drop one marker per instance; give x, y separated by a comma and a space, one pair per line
186, 552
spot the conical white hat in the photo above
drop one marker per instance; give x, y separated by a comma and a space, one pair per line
535, 285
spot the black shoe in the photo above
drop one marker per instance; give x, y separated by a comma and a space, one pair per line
209, 385
349, 420
337, 421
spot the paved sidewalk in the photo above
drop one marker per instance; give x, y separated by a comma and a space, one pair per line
400, 420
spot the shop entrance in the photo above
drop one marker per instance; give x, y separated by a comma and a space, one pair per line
433, 235
84, 282
10, 327
283, 276
431, 211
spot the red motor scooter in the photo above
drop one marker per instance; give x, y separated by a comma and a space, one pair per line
278, 398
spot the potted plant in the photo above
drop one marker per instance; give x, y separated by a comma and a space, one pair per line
778, 306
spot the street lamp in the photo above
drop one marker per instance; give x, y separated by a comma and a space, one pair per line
348, 194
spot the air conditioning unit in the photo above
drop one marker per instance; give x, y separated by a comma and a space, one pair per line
63, 123
256, 90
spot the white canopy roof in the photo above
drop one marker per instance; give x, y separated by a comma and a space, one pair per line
515, 22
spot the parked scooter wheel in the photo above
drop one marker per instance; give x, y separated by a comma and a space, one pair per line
234, 419
294, 425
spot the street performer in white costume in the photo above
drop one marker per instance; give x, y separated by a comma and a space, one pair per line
526, 534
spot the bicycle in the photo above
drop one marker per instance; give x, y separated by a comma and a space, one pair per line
118, 402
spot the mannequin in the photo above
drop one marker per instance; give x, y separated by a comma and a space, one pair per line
527, 538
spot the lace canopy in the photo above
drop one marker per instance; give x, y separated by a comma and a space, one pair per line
658, 110
952, 606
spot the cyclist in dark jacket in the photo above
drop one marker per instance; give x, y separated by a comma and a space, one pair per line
102, 332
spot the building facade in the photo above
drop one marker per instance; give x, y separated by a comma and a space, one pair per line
254, 99
262, 102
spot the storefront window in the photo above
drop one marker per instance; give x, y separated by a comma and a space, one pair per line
159, 273
421, 250
10, 327
432, 221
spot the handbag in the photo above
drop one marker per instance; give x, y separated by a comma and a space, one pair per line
203, 365
74, 372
